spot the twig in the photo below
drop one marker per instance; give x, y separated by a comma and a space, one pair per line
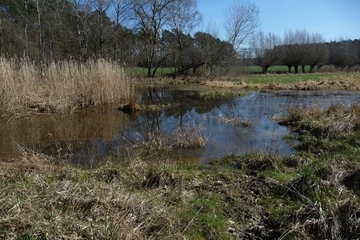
197, 213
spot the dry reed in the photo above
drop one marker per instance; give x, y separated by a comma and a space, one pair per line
61, 86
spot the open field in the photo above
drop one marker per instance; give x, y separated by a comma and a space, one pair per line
241, 70
249, 77
308, 81
313, 193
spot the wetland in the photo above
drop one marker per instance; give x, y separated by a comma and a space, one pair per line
191, 162
237, 123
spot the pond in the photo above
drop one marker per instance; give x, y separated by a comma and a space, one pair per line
228, 125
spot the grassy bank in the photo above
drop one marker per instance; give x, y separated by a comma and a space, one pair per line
60, 87
313, 193
308, 81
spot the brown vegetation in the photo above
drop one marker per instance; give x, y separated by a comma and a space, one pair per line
313, 193
62, 86
296, 82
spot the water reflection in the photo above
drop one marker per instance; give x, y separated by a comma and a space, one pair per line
231, 125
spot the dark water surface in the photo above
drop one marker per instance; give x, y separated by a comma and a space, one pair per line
230, 125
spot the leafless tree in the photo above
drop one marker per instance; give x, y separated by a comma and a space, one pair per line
316, 52
344, 53
295, 50
100, 27
182, 19
149, 17
81, 11
241, 19
264, 49
121, 12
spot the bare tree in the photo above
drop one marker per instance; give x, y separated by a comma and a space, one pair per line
81, 10
295, 48
100, 27
241, 19
316, 52
264, 49
343, 54
183, 18
122, 12
149, 17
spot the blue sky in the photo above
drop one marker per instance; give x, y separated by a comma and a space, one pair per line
334, 19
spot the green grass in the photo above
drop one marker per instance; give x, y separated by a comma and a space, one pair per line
138, 71
295, 78
314, 193
241, 70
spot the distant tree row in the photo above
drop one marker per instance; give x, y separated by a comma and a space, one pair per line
146, 33
300, 49
155, 33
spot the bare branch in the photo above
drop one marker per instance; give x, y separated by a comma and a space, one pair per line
241, 21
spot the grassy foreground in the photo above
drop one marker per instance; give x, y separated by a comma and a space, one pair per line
312, 194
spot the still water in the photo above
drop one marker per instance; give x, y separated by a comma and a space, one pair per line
231, 125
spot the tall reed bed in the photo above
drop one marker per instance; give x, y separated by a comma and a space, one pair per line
61, 86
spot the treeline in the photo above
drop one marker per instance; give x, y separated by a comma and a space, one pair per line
141, 33
153, 34
299, 49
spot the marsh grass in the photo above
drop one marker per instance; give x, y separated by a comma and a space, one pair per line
123, 199
320, 196
61, 86
190, 136
238, 121
336, 122
307, 195
185, 137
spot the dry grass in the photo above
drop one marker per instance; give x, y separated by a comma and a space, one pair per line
236, 121
62, 86
131, 198
188, 136
40, 199
123, 199
334, 122
310, 81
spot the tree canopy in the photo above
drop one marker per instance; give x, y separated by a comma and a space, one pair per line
156, 33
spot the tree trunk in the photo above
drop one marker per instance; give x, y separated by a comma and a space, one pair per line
264, 69
296, 69
26, 49
312, 66
319, 66
41, 44
149, 71
303, 68
289, 68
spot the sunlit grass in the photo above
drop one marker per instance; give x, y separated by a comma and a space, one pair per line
61, 86
308, 81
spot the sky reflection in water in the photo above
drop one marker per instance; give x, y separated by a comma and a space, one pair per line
88, 137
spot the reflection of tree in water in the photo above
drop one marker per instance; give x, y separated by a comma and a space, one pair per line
62, 135
106, 130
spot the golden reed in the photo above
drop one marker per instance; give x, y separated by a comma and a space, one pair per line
61, 86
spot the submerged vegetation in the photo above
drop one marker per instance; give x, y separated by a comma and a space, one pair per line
313, 193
